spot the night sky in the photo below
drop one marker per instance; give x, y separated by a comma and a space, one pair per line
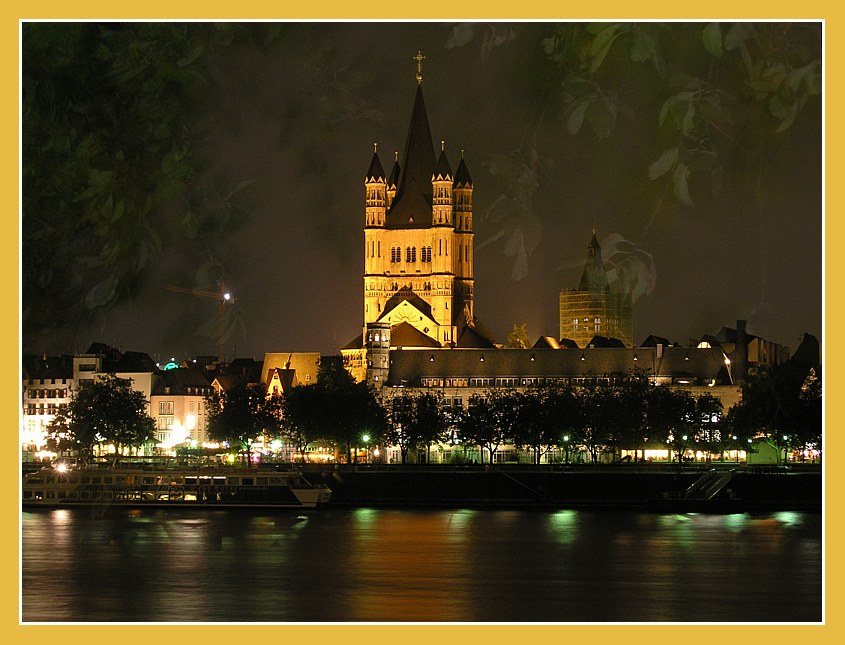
296, 116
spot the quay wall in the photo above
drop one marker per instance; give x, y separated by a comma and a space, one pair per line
495, 487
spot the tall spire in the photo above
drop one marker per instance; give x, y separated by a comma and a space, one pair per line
412, 204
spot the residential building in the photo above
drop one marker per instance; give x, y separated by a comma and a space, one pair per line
50, 382
47, 387
178, 406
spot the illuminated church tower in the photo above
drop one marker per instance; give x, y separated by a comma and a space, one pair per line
418, 239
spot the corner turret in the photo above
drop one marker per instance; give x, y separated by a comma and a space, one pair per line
376, 191
462, 197
377, 347
441, 184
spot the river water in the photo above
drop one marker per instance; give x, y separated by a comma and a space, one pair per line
419, 565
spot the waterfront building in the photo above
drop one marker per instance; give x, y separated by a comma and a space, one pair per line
749, 354
178, 406
282, 370
48, 385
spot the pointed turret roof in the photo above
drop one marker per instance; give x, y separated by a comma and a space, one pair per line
594, 277
443, 170
412, 204
376, 172
394, 172
462, 177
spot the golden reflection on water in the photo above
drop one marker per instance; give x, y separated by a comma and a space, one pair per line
392, 565
409, 576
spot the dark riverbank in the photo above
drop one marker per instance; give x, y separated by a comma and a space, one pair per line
558, 487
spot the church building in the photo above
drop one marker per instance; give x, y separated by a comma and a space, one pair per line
418, 247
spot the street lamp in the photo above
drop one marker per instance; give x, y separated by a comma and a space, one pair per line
366, 439
566, 449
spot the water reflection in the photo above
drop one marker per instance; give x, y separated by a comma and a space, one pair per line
423, 569
391, 565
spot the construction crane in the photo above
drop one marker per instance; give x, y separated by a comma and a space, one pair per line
223, 297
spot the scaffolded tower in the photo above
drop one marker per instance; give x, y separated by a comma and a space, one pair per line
595, 308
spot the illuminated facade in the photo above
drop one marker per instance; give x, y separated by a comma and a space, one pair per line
49, 383
595, 308
418, 239
178, 407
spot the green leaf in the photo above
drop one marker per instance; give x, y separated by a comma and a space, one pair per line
602, 43
190, 58
602, 117
576, 115
790, 117
671, 102
806, 74
643, 48
664, 109
102, 293
777, 109
666, 161
736, 36
681, 178
712, 38
689, 120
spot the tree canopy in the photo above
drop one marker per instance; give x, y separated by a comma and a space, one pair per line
111, 172
242, 413
103, 411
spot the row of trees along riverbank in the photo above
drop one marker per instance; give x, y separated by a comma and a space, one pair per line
603, 416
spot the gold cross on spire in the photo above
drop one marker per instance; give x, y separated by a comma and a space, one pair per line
419, 58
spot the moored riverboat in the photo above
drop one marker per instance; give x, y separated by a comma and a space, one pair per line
172, 487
